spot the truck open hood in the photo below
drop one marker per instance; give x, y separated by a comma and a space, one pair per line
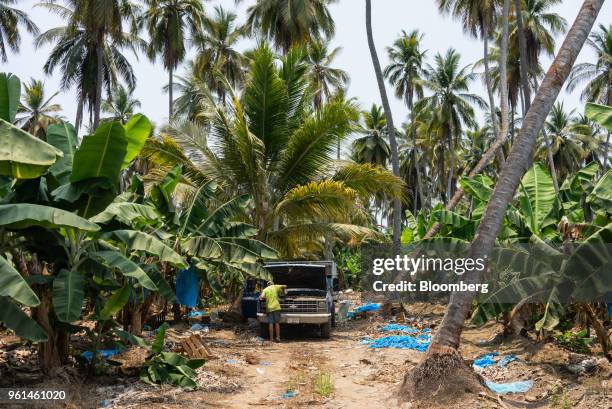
302, 276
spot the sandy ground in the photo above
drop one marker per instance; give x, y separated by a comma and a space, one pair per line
336, 373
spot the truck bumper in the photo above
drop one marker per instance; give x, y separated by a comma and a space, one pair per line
287, 318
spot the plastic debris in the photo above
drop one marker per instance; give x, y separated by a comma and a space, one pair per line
419, 343
511, 387
259, 371
288, 395
265, 363
199, 327
365, 340
584, 366
398, 327
196, 313
506, 359
102, 353
367, 307
187, 287
231, 361
484, 360
104, 403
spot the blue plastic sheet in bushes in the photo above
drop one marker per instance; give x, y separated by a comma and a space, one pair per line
187, 287
419, 343
101, 353
511, 387
367, 307
485, 360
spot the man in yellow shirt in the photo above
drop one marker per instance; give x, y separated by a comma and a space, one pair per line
273, 308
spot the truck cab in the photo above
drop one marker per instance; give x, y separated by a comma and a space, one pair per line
308, 299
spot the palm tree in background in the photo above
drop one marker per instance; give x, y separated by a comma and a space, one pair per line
102, 21
288, 23
38, 111
478, 19
598, 76
11, 19
195, 102
540, 28
372, 147
120, 104
217, 57
405, 73
76, 54
323, 78
450, 103
168, 23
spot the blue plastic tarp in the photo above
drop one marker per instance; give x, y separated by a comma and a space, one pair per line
196, 313
101, 353
419, 343
485, 360
506, 359
511, 387
187, 287
367, 307
401, 328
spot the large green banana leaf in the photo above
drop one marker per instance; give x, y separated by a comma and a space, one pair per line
478, 186
116, 260
537, 196
13, 285
590, 255
163, 287
10, 93
161, 193
101, 155
261, 249
12, 317
134, 215
202, 246
602, 114
68, 295
23, 156
64, 137
23, 215
137, 130
553, 311
139, 241
115, 302
197, 207
601, 196
212, 225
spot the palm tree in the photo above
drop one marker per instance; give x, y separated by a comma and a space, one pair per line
397, 203
372, 147
405, 73
478, 18
120, 104
288, 23
598, 76
443, 349
38, 111
297, 199
10, 20
217, 55
168, 22
102, 21
195, 102
568, 143
77, 54
450, 103
323, 78
540, 27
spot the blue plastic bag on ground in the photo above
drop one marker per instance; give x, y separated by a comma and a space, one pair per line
187, 287
510, 387
402, 342
397, 327
367, 307
506, 359
485, 360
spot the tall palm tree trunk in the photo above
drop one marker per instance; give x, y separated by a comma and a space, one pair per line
447, 338
485, 41
99, 80
397, 204
503, 73
419, 187
170, 97
526, 91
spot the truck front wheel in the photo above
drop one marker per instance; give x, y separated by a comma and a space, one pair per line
326, 330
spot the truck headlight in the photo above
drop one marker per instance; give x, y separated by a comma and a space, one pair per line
322, 305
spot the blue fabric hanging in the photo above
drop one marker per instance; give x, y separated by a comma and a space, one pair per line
187, 287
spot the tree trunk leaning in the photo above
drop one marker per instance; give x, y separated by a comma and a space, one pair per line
526, 91
421, 380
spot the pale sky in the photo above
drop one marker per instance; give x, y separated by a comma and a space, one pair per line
389, 18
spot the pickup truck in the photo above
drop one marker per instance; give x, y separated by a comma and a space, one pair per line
308, 300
